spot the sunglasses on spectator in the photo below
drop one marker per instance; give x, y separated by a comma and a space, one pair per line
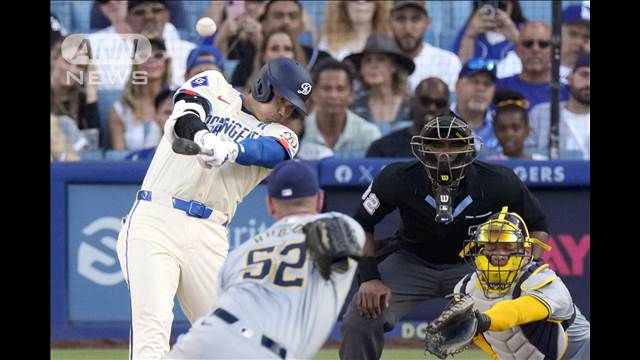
542, 44
158, 55
427, 101
155, 10
477, 64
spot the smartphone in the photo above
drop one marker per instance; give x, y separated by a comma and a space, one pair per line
489, 8
234, 8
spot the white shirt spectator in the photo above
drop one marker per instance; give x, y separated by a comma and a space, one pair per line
575, 131
340, 54
114, 76
137, 135
509, 66
435, 62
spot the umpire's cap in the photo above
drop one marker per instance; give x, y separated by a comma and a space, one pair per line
287, 78
292, 179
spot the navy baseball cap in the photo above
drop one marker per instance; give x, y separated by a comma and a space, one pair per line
192, 59
584, 60
293, 179
477, 65
133, 3
576, 14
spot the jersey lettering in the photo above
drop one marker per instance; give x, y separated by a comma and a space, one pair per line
280, 273
257, 257
366, 193
371, 204
263, 257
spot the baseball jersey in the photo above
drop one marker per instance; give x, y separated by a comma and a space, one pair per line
219, 188
545, 339
271, 282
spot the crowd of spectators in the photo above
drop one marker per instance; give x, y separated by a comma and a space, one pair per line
377, 80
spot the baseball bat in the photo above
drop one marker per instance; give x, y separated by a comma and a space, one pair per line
188, 147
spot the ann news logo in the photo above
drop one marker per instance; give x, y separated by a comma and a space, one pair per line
117, 53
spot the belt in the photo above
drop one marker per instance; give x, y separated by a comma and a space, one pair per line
265, 341
191, 208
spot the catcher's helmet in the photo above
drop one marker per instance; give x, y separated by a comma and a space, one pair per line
287, 78
446, 142
508, 232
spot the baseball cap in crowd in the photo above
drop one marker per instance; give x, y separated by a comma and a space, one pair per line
293, 179
584, 60
133, 3
477, 65
193, 61
576, 14
399, 4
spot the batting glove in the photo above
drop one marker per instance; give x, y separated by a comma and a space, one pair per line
215, 151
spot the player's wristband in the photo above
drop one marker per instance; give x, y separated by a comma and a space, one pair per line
368, 269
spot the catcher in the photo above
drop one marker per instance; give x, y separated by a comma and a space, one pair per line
281, 292
512, 307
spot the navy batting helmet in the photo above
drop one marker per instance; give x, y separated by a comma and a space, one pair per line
287, 78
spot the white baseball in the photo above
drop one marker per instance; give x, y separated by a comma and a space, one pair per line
206, 26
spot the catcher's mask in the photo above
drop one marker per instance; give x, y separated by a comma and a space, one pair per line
445, 146
503, 235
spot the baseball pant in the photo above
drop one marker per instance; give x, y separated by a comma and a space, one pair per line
212, 338
164, 252
412, 281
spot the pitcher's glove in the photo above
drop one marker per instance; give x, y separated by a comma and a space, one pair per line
452, 331
330, 242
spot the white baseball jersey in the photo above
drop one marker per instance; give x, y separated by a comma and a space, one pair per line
162, 250
272, 287
219, 188
536, 341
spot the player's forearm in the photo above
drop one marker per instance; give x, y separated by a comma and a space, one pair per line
509, 313
369, 248
368, 266
188, 125
264, 151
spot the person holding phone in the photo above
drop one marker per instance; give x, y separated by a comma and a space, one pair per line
491, 31
240, 29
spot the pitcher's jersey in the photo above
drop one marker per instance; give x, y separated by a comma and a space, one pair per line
219, 188
536, 340
271, 282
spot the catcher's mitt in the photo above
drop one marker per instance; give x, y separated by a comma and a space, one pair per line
455, 328
330, 240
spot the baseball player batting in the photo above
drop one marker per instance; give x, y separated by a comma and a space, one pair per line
281, 291
174, 239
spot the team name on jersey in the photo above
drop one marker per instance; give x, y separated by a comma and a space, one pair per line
279, 232
233, 129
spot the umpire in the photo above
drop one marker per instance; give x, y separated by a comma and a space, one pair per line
442, 197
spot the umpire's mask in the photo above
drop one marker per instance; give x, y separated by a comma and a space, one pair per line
445, 146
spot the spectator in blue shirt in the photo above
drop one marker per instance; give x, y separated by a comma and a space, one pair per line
534, 49
490, 33
474, 90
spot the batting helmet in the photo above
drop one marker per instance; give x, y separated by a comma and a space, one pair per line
287, 78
